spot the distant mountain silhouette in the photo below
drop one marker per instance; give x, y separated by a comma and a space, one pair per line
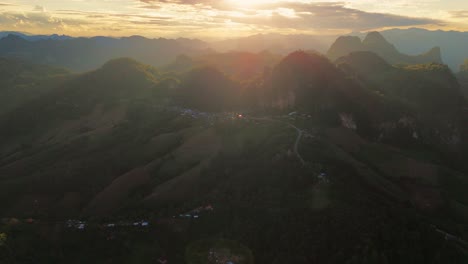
32, 37
417, 40
81, 54
376, 43
411, 41
276, 43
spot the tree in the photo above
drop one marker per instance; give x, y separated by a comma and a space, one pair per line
464, 66
3, 239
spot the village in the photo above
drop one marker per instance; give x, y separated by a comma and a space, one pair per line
195, 213
77, 224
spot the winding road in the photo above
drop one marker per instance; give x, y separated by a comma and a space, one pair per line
296, 143
298, 138
300, 133
449, 236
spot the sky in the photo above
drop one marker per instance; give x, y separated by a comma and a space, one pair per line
220, 19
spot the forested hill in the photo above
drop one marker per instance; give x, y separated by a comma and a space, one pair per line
22, 81
463, 77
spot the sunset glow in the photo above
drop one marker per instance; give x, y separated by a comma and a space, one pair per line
219, 19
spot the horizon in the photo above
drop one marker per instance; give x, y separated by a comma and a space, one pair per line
208, 39
208, 19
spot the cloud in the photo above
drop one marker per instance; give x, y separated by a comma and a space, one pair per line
459, 14
326, 16
207, 18
300, 15
182, 2
157, 4
39, 8
34, 19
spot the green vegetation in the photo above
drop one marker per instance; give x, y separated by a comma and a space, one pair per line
21, 82
118, 145
463, 78
3, 239
430, 87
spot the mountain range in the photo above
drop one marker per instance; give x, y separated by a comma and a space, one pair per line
352, 148
32, 37
417, 41
275, 43
409, 41
81, 54
376, 43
